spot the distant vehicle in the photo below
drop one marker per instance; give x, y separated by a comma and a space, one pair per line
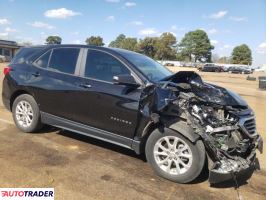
225, 68
239, 70
2, 59
211, 68
169, 64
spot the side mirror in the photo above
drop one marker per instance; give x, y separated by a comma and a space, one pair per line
125, 79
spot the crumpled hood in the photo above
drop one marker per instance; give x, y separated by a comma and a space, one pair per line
219, 95
207, 92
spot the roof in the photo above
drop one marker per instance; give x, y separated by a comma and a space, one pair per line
48, 46
116, 51
44, 48
8, 43
78, 45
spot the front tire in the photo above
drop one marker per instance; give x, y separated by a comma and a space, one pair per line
26, 114
174, 157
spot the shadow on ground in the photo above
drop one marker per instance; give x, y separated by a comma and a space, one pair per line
202, 177
101, 143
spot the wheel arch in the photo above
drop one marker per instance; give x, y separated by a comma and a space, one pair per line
180, 127
149, 128
16, 94
185, 130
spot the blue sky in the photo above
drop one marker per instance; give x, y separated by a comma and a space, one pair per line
227, 22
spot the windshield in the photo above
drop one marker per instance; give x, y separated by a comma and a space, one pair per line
153, 70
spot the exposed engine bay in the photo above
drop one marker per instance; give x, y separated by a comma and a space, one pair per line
220, 117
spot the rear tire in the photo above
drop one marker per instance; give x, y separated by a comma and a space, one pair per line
26, 114
186, 160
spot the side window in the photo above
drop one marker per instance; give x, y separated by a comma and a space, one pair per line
43, 60
102, 66
64, 60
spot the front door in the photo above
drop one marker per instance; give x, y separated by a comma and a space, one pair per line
102, 104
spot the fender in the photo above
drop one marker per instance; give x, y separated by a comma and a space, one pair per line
182, 128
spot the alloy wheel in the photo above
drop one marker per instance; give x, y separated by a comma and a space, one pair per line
24, 114
173, 155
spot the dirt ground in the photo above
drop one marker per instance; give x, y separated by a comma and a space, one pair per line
83, 168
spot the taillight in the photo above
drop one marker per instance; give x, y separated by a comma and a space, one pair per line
7, 70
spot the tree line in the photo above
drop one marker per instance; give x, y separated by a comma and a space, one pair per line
195, 46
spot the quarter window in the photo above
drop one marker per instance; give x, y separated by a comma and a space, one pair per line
102, 66
64, 60
43, 60
23, 54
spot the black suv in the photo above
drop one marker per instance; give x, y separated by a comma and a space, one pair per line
128, 99
211, 68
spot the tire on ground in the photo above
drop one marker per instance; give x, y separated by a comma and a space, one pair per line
198, 154
36, 122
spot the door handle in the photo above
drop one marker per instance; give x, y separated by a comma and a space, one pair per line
35, 74
84, 85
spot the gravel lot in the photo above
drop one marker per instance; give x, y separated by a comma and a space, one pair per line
83, 168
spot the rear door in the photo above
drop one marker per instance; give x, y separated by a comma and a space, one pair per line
103, 104
54, 81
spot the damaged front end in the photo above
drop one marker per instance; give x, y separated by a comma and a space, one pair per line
230, 138
221, 118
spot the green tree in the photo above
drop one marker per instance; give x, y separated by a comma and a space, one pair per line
196, 44
53, 40
148, 46
166, 47
182, 57
162, 48
242, 55
117, 42
95, 40
124, 42
129, 44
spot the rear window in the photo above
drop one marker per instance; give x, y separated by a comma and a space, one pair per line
23, 54
64, 60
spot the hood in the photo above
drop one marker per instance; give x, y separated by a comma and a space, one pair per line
207, 92
218, 95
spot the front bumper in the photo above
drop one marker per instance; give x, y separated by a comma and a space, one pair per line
242, 172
